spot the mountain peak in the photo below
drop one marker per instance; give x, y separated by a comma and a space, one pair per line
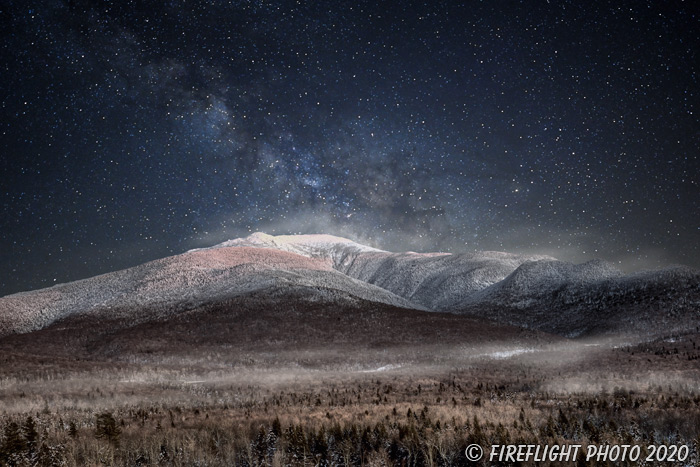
311, 245
528, 290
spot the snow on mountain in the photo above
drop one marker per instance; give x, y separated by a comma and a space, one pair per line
329, 247
531, 291
533, 280
593, 298
665, 300
437, 281
181, 282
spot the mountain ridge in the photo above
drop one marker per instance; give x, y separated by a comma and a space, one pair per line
531, 291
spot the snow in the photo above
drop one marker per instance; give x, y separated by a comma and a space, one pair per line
437, 281
313, 246
535, 279
534, 291
503, 354
181, 282
382, 368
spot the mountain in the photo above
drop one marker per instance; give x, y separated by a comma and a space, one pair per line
437, 281
593, 298
528, 291
278, 327
333, 249
536, 281
531, 291
171, 285
258, 300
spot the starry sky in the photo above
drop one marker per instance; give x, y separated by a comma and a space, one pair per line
134, 130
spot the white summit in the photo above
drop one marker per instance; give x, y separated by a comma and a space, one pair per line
534, 291
312, 245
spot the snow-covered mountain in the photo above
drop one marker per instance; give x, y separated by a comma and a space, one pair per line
537, 280
327, 247
437, 281
537, 292
182, 282
593, 298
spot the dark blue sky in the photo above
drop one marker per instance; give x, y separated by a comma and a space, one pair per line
135, 130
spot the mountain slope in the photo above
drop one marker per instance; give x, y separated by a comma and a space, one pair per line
593, 298
538, 280
333, 249
531, 291
277, 326
180, 282
437, 281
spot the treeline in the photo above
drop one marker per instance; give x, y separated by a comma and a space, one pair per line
416, 436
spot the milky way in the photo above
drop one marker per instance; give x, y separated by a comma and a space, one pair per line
135, 130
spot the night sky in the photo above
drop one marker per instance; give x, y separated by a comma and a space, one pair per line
134, 130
